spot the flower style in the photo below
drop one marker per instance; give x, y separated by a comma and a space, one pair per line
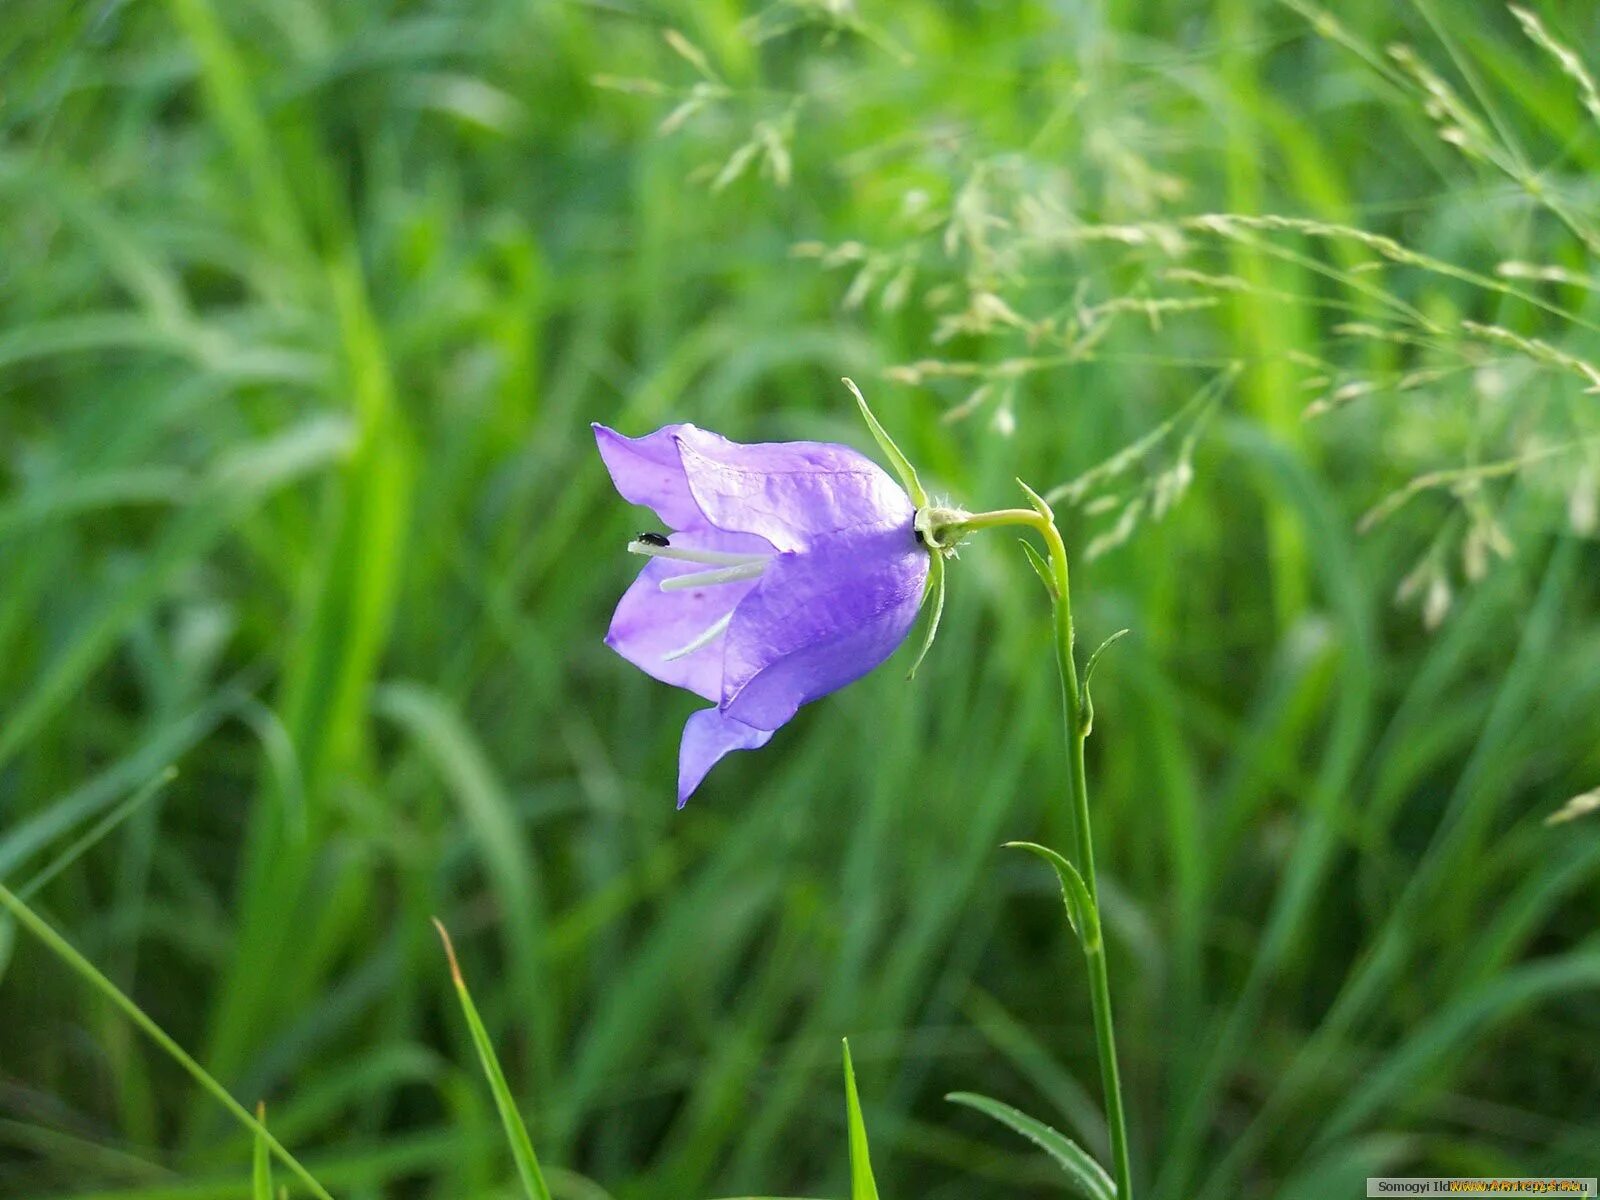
790, 570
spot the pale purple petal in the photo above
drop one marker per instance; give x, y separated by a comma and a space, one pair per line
648, 471
650, 624
837, 597
708, 735
819, 620
791, 493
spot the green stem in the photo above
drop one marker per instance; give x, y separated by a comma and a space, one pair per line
1077, 728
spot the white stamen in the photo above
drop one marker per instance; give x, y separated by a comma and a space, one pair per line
730, 567
705, 638
710, 558
745, 570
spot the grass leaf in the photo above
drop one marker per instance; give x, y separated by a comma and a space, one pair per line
533, 1184
862, 1185
261, 1163
86, 970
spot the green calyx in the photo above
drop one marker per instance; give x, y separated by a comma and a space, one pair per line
940, 529
901, 464
935, 527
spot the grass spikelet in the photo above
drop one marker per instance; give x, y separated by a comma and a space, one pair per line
1571, 65
1579, 806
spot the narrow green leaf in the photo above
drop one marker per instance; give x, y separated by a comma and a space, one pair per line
1082, 914
1025, 1051
533, 1184
1040, 505
862, 1185
1040, 567
8, 942
902, 465
75, 851
1088, 669
261, 1167
243, 479
82, 845
935, 590
61, 814
447, 741
87, 971
1088, 672
1429, 1058
1088, 1176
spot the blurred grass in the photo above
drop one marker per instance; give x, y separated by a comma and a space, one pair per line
304, 309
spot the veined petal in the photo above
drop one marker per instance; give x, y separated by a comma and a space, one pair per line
791, 493
819, 620
650, 624
649, 471
708, 735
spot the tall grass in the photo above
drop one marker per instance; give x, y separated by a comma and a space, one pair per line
304, 309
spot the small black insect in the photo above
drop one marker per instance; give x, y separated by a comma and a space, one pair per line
653, 539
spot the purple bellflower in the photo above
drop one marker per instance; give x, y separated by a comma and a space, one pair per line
790, 569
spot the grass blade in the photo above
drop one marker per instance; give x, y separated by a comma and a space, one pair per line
862, 1185
64, 950
72, 853
82, 845
261, 1164
533, 1184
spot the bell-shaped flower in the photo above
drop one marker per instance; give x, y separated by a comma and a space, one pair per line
788, 570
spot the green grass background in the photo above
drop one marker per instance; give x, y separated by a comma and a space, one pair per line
304, 310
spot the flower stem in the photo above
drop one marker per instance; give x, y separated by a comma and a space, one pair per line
1077, 730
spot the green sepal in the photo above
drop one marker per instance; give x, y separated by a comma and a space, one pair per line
902, 464
935, 589
862, 1185
1082, 913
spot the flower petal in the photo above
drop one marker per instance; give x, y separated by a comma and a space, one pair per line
648, 470
791, 493
650, 624
708, 735
819, 620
